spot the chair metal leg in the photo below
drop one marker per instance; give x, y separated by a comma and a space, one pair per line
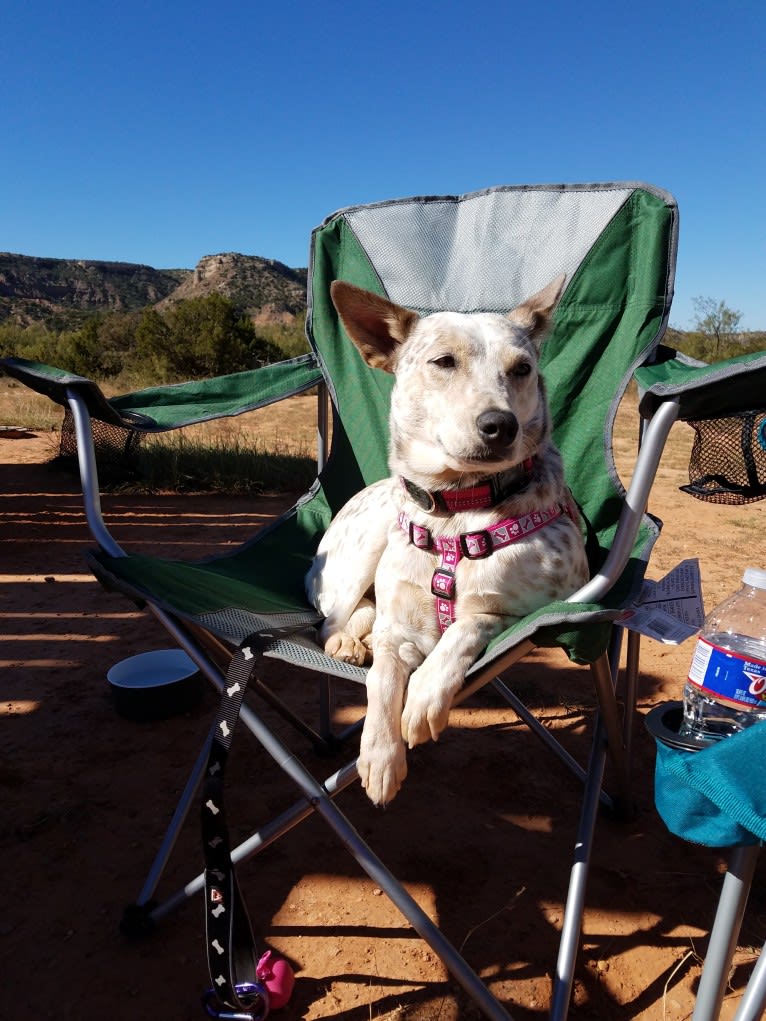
260, 840
607, 730
575, 903
322, 739
320, 801
725, 932
753, 1003
632, 666
543, 734
138, 917
604, 672
325, 712
176, 823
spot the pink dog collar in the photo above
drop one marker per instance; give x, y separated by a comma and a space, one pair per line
487, 493
472, 546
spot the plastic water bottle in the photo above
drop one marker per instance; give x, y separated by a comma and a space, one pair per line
726, 689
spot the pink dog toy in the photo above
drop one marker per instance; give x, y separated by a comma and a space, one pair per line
277, 975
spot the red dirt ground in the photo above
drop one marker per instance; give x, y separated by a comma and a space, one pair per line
481, 834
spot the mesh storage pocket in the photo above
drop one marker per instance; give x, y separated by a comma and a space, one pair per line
728, 458
115, 446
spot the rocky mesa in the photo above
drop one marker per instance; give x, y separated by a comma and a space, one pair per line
264, 289
64, 292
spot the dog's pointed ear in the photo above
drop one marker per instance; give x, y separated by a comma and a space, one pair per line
377, 326
534, 314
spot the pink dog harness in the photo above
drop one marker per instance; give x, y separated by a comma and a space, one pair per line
473, 546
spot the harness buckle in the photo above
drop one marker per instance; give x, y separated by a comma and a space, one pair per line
476, 545
420, 536
443, 584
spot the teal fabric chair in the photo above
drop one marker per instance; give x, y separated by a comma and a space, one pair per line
715, 795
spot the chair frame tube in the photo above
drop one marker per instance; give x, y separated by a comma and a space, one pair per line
753, 1003
723, 942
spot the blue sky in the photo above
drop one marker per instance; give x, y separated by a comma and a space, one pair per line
162, 132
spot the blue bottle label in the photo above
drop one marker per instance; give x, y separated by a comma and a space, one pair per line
729, 675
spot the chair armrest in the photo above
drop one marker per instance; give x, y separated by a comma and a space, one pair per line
704, 391
161, 408
54, 383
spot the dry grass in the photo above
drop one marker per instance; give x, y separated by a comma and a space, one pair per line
270, 450
22, 407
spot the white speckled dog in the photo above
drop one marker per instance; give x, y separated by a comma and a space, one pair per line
473, 530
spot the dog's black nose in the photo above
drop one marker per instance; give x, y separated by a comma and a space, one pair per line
497, 428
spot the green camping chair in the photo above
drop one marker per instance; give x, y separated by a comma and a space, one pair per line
479, 252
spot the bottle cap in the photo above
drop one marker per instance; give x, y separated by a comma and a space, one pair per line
754, 576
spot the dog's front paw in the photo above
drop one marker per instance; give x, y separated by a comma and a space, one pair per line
382, 767
426, 711
347, 648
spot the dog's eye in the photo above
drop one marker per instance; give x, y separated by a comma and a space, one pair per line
521, 369
444, 362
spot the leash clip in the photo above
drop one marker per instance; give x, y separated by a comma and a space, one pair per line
254, 994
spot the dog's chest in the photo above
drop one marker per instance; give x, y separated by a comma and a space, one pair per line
410, 576
446, 576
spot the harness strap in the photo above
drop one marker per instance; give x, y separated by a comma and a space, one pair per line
472, 546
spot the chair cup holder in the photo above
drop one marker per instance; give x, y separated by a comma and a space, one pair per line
681, 803
664, 725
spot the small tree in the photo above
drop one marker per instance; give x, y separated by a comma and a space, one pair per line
716, 321
102, 346
154, 344
200, 337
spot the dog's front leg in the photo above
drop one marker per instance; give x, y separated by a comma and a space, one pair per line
343, 570
433, 686
382, 762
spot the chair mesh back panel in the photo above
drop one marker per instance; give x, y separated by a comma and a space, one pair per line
728, 459
485, 252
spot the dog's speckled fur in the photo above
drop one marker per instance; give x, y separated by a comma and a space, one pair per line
450, 368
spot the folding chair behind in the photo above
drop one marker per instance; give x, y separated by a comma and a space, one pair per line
480, 252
